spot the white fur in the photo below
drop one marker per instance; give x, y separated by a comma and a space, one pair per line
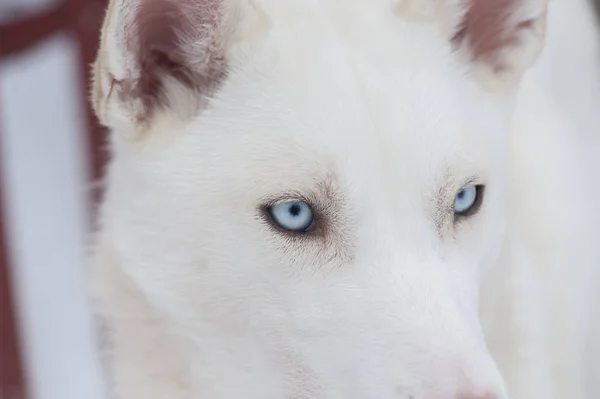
365, 108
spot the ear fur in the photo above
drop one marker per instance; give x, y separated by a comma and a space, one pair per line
501, 38
158, 55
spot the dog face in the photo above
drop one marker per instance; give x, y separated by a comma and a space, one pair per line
310, 191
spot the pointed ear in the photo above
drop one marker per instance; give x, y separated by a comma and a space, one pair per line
501, 38
158, 57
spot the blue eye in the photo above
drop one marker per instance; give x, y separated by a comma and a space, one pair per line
294, 216
467, 200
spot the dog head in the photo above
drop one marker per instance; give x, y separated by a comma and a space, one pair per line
310, 191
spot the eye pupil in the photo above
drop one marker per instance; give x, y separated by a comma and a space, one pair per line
295, 209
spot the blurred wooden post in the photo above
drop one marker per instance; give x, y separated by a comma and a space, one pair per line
82, 19
12, 378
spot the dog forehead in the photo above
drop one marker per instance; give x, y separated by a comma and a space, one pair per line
318, 91
342, 96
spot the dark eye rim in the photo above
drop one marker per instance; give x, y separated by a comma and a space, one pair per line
474, 209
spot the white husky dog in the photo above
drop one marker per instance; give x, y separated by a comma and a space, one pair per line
349, 199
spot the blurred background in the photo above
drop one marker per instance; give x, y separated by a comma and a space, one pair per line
51, 153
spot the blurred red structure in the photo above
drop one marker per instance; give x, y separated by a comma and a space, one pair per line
82, 19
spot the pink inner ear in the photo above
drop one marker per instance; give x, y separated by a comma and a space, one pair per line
487, 28
163, 37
